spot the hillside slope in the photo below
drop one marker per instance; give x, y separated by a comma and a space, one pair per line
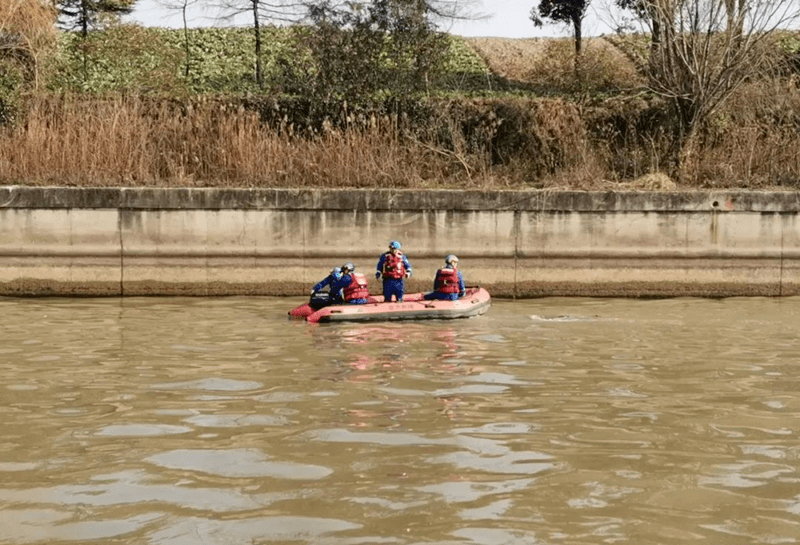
540, 62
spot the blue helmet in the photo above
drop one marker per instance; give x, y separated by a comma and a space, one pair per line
348, 267
394, 245
336, 272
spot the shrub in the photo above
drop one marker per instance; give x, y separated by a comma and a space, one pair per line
12, 80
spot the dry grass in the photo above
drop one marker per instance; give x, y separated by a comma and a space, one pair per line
131, 142
27, 29
614, 143
508, 57
482, 144
549, 63
754, 142
28, 18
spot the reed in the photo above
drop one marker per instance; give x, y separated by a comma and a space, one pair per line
131, 141
754, 143
469, 143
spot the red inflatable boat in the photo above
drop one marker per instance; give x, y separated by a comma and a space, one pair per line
475, 302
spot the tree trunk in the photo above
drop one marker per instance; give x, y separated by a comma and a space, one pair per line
84, 36
257, 29
658, 11
684, 147
734, 11
186, 37
576, 25
689, 159
84, 22
655, 40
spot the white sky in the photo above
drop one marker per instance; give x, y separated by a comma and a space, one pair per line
507, 19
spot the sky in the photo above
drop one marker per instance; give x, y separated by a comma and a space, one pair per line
506, 19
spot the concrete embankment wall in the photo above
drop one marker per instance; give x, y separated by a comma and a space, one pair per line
119, 241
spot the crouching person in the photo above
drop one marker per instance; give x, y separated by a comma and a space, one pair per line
449, 283
321, 298
353, 285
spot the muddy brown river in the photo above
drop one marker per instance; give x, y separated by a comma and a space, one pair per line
188, 421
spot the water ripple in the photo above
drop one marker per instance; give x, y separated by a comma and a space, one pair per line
141, 430
213, 384
197, 531
236, 463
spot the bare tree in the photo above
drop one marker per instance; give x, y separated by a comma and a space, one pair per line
654, 14
706, 53
183, 7
647, 13
382, 45
440, 11
290, 12
273, 11
735, 12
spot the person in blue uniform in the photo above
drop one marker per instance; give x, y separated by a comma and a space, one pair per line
321, 298
449, 282
393, 267
352, 285
336, 274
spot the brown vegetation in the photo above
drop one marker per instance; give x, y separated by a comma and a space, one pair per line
222, 143
546, 63
27, 27
601, 130
476, 143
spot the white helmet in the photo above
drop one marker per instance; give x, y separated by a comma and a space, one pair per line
451, 260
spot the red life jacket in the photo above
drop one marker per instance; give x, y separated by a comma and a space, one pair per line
357, 289
447, 281
393, 266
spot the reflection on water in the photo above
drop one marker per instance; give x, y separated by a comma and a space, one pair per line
219, 421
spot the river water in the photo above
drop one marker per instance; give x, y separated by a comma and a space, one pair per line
554, 421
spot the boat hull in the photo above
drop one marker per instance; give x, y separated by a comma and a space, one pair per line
475, 302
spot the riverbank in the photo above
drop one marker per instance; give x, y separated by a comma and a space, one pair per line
147, 241
135, 107
459, 143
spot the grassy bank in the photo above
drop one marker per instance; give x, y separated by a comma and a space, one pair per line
502, 113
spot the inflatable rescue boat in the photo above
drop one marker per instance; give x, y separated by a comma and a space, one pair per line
476, 301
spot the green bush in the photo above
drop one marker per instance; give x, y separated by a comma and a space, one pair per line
134, 60
12, 80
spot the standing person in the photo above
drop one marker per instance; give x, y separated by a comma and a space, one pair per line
353, 285
393, 267
321, 298
449, 283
